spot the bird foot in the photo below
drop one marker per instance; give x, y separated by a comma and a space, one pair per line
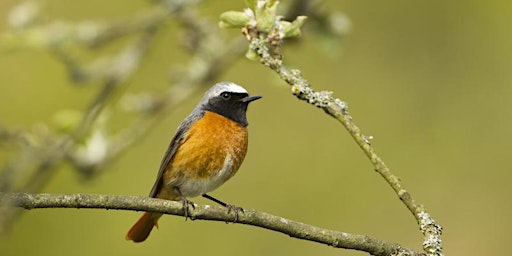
186, 212
235, 209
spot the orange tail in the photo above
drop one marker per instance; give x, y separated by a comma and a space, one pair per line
141, 229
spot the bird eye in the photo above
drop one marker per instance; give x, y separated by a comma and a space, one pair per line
226, 95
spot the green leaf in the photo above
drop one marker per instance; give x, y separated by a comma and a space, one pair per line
233, 19
266, 15
252, 55
292, 29
252, 4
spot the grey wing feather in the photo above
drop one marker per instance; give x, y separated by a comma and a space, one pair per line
176, 141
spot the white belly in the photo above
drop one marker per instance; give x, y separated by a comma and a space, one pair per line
196, 187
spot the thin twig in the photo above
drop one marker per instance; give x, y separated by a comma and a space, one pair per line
267, 46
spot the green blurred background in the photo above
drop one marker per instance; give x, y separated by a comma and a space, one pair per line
430, 80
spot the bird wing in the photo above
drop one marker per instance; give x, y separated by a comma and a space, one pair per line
177, 140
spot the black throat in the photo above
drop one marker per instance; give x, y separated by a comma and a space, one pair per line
233, 107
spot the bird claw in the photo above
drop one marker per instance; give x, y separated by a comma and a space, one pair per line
235, 209
186, 204
230, 207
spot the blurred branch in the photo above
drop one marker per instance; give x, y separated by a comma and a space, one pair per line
206, 212
83, 142
265, 32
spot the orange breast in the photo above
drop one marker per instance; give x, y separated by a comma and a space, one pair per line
211, 153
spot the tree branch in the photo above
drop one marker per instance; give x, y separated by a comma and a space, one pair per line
266, 33
206, 212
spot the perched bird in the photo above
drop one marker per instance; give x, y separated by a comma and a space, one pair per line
207, 149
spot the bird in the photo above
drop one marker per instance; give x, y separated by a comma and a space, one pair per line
206, 150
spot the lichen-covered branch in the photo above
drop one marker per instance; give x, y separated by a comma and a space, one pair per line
206, 212
265, 32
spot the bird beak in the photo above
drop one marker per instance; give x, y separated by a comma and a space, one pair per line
250, 98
